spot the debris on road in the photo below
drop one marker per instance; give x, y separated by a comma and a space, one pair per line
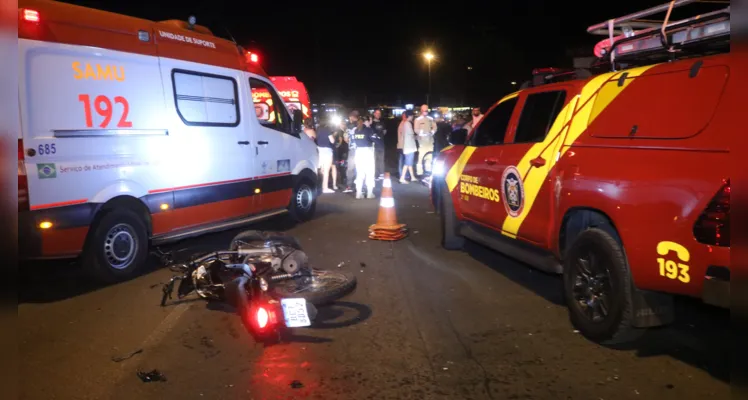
296, 384
363, 264
127, 357
341, 264
153, 376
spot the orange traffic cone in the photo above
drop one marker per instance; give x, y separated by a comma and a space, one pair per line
387, 227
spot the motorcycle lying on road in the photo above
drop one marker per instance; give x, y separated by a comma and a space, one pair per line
266, 277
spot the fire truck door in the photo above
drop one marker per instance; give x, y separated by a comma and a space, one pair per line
479, 196
527, 187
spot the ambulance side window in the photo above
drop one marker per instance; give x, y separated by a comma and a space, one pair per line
269, 108
492, 128
205, 99
538, 114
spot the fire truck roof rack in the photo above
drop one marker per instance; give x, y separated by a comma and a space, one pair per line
544, 76
633, 40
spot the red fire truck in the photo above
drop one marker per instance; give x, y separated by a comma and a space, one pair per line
618, 181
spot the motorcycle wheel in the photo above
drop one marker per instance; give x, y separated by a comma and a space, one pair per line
316, 286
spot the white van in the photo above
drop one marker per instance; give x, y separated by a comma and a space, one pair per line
137, 133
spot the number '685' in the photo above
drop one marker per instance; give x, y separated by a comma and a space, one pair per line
46, 149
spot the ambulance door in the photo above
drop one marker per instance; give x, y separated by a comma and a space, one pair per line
479, 189
92, 120
276, 147
527, 188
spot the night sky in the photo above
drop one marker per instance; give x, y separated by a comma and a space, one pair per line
352, 52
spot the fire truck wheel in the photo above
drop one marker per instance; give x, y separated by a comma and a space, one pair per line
597, 288
117, 246
303, 201
451, 240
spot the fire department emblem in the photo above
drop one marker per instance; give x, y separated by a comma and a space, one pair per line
512, 191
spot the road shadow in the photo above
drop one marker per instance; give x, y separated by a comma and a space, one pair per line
700, 335
544, 285
45, 281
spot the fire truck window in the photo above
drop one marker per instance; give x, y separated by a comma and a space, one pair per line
492, 128
266, 104
538, 114
204, 99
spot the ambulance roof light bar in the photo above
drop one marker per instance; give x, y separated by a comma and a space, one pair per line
660, 38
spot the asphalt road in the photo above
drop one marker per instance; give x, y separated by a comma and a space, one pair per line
424, 323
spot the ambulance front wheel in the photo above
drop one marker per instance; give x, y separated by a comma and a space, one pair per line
303, 201
117, 246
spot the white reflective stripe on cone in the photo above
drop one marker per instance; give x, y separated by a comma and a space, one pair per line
387, 183
387, 202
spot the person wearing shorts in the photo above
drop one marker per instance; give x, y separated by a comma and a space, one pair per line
326, 146
409, 147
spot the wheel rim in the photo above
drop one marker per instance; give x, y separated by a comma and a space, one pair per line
592, 289
120, 246
304, 198
316, 281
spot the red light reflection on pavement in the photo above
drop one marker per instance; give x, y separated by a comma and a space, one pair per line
279, 366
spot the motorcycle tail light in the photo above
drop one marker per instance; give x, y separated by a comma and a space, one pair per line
262, 317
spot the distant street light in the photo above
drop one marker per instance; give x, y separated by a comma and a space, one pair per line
514, 83
428, 56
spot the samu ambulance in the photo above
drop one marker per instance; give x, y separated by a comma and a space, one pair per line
136, 133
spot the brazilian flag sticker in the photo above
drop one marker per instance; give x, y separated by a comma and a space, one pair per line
46, 171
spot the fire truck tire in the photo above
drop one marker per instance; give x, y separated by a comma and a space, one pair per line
595, 266
117, 246
303, 201
451, 240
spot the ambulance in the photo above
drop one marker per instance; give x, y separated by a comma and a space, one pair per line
136, 133
294, 94
617, 180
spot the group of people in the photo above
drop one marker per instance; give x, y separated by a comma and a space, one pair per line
358, 144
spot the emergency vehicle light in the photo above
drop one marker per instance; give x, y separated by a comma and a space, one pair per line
539, 71
252, 57
45, 225
30, 15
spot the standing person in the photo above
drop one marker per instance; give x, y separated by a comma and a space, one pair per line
425, 127
441, 137
400, 156
379, 130
475, 118
326, 146
363, 137
409, 147
309, 129
350, 172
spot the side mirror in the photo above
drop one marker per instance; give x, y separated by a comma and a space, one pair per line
297, 119
458, 136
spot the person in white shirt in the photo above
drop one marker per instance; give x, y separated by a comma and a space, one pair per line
425, 127
409, 146
477, 116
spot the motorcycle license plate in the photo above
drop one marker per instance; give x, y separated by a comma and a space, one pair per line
295, 313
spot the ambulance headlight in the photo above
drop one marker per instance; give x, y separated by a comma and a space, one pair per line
438, 168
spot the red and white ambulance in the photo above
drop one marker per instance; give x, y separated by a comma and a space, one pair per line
136, 133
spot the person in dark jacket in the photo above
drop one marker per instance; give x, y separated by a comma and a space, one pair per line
379, 131
441, 137
363, 138
350, 173
326, 146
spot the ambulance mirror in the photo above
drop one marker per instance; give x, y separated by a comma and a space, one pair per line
297, 120
458, 136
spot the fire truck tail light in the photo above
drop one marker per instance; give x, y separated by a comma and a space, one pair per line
713, 225
253, 57
30, 15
